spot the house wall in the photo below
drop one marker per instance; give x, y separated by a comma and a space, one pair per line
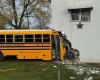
87, 40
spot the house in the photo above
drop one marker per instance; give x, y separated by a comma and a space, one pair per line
80, 20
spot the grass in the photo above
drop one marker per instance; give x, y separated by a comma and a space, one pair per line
35, 70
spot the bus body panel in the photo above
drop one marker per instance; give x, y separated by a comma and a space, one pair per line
62, 50
28, 54
34, 50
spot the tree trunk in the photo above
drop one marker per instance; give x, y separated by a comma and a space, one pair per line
15, 13
21, 18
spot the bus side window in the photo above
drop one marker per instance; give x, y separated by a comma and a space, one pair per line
18, 38
46, 38
38, 38
9, 38
2, 38
29, 38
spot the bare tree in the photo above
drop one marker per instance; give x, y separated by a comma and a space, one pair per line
14, 11
43, 13
10, 9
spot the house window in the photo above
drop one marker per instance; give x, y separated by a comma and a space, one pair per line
75, 15
81, 14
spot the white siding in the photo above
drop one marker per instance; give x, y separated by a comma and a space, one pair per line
87, 40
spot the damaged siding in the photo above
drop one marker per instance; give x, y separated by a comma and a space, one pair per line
87, 39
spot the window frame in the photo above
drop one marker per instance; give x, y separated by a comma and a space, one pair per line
86, 14
9, 38
3, 38
19, 38
38, 38
80, 11
28, 38
46, 38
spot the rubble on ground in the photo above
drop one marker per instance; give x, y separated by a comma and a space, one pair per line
54, 66
72, 77
83, 69
44, 69
90, 78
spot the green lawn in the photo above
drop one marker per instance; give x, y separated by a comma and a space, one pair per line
36, 70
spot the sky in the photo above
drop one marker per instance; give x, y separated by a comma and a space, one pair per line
33, 21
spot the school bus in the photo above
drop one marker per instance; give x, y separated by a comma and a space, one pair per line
31, 44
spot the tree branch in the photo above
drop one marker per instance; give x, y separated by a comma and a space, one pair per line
15, 13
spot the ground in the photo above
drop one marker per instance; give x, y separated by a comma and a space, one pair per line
40, 70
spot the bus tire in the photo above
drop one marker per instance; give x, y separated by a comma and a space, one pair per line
1, 57
70, 56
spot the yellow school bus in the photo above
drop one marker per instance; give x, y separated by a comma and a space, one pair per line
31, 44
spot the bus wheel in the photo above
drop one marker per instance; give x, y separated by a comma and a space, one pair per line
70, 56
1, 57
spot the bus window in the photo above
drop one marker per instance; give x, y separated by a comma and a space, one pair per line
46, 38
18, 38
38, 38
29, 38
9, 38
2, 38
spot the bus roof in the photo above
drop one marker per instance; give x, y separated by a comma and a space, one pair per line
29, 30
40, 31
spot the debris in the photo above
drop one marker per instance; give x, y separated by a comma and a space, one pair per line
44, 69
90, 78
54, 66
63, 63
81, 69
72, 77
94, 71
8, 69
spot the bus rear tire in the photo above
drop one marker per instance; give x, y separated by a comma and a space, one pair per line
1, 57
